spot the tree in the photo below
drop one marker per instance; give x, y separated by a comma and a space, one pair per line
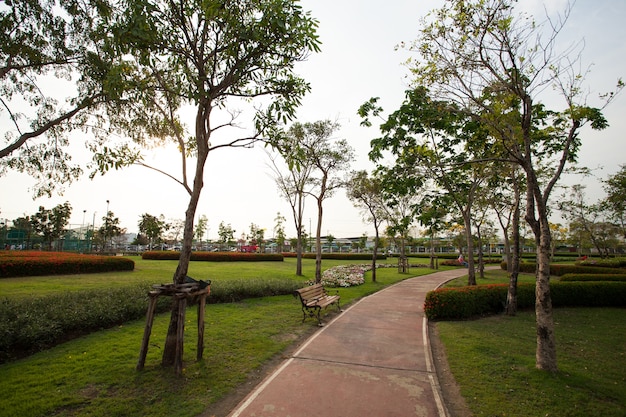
50, 223
152, 227
110, 228
56, 75
225, 233
212, 56
615, 201
492, 61
432, 142
327, 159
366, 192
293, 183
201, 228
279, 231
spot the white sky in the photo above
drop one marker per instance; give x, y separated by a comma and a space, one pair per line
358, 61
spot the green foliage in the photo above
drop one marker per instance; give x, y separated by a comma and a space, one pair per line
31, 324
28, 263
593, 277
561, 269
338, 256
470, 301
215, 256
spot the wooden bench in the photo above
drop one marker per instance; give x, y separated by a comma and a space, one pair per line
313, 299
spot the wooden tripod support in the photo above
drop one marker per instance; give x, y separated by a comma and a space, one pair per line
181, 293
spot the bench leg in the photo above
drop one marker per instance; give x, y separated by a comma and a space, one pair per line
319, 319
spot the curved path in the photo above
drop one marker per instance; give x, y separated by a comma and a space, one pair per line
374, 359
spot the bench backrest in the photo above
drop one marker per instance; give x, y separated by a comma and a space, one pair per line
314, 291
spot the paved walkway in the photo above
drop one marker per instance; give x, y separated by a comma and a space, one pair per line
373, 359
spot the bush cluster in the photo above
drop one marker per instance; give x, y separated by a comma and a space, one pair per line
606, 263
34, 263
215, 256
467, 302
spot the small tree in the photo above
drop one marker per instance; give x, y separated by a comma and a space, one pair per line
50, 223
366, 193
152, 227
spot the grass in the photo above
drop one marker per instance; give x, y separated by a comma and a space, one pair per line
492, 358
95, 375
493, 361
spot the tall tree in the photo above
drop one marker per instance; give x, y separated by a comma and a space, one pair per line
211, 56
469, 51
328, 158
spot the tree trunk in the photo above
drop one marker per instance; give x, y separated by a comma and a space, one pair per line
202, 135
318, 242
375, 252
546, 342
513, 258
471, 273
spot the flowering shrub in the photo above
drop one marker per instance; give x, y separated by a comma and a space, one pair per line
344, 275
31, 263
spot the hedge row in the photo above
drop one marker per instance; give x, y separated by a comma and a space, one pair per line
560, 270
338, 256
606, 263
215, 256
29, 325
471, 301
33, 263
593, 277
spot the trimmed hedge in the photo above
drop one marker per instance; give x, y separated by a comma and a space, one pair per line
466, 302
593, 277
560, 270
338, 256
215, 256
33, 324
34, 263
28, 325
606, 263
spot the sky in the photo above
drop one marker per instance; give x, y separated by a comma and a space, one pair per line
358, 61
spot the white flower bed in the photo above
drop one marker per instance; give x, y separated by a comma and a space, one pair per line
345, 275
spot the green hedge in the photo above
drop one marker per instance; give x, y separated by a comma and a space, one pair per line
33, 324
28, 325
215, 256
338, 256
593, 277
559, 269
606, 263
466, 302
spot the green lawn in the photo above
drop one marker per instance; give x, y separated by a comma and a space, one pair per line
491, 358
95, 375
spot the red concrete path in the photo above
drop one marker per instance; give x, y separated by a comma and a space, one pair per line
373, 359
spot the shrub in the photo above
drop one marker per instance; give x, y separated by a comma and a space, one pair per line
593, 277
467, 302
605, 263
215, 256
339, 256
32, 263
32, 324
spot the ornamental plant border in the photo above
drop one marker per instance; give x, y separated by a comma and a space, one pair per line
37, 263
461, 303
